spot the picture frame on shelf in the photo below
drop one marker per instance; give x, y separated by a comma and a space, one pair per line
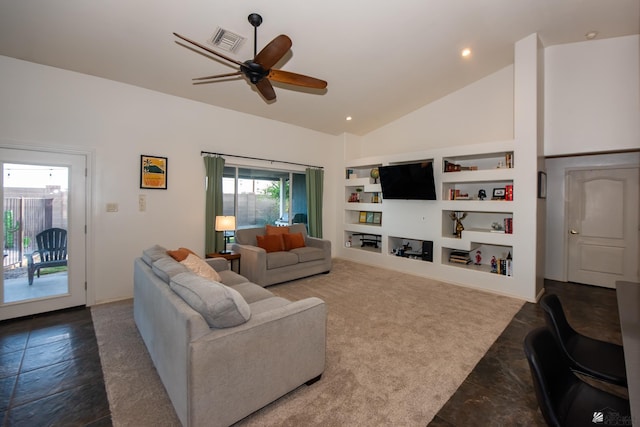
377, 217
153, 172
542, 185
499, 193
369, 217
363, 217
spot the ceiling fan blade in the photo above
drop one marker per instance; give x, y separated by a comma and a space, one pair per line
273, 52
205, 48
266, 89
217, 76
296, 79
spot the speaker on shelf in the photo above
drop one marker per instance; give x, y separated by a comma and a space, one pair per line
427, 250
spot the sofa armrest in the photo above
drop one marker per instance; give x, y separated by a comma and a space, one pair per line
253, 262
256, 362
323, 244
218, 264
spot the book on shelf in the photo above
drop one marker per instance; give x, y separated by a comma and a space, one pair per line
460, 257
508, 160
505, 266
455, 194
453, 167
508, 192
508, 225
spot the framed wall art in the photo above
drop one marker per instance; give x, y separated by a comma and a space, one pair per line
153, 172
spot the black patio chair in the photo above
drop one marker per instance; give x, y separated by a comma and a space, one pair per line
51, 252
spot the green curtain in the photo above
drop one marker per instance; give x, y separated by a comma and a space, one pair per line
314, 201
214, 241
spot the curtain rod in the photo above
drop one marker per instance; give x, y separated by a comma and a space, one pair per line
258, 158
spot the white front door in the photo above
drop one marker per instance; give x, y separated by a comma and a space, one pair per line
603, 226
42, 191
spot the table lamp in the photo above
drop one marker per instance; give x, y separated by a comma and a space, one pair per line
224, 224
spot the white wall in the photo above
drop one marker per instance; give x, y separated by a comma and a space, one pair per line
592, 96
48, 107
480, 112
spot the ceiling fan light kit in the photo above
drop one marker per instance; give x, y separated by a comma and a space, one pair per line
258, 71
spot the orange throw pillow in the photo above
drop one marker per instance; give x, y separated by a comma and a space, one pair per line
293, 241
181, 254
272, 229
271, 243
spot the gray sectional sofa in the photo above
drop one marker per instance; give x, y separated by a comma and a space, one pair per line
223, 349
268, 268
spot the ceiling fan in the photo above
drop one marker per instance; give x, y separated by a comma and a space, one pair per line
259, 70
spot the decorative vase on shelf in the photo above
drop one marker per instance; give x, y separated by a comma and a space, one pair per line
375, 174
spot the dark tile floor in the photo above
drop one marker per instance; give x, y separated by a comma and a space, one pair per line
50, 372
499, 391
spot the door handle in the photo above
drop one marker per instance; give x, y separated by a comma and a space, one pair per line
572, 231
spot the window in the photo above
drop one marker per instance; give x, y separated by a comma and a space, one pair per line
262, 196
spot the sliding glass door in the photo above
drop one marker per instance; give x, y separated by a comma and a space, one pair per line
263, 196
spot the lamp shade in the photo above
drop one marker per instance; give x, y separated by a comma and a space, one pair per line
225, 223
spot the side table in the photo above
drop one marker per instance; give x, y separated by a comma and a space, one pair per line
231, 256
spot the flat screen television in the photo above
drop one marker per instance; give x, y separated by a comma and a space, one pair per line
410, 181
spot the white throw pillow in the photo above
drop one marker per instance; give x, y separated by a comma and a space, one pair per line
201, 268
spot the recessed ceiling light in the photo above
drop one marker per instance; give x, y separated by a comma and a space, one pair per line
466, 52
349, 118
591, 35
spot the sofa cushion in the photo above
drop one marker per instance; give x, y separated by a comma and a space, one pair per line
293, 241
220, 305
271, 242
252, 292
154, 253
200, 267
166, 268
180, 254
281, 259
308, 253
272, 229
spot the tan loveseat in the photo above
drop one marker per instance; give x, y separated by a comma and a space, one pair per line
223, 349
266, 267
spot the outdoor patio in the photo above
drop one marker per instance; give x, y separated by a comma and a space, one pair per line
16, 285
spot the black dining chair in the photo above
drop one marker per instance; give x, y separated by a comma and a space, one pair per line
601, 360
563, 398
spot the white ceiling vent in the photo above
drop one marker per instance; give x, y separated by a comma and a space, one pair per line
226, 40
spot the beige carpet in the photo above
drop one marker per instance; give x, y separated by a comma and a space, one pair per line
398, 346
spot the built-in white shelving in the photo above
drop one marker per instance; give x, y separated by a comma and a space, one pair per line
506, 171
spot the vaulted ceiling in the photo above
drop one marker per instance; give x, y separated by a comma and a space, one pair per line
382, 60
